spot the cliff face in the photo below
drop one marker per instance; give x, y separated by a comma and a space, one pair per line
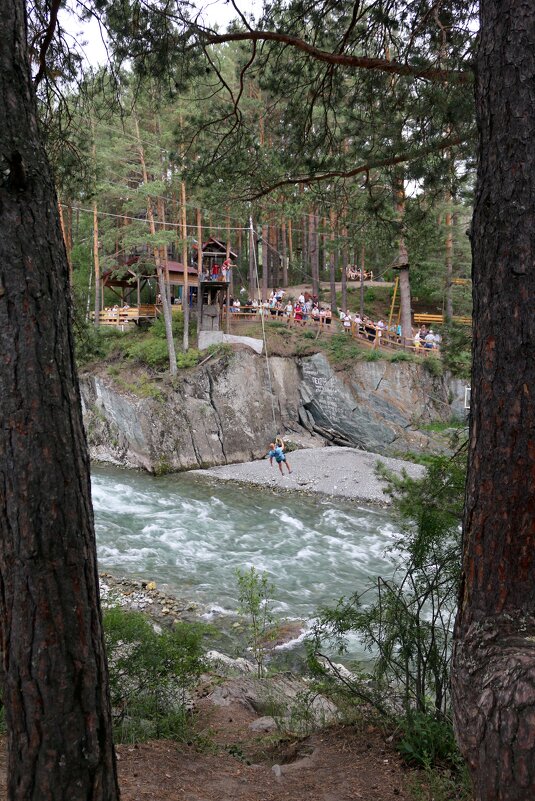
222, 411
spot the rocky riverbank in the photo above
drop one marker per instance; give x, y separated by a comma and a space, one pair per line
333, 471
227, 410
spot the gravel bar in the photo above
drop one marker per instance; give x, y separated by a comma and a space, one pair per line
334, 471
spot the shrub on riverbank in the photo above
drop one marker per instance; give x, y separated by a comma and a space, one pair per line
406, 620
150, 675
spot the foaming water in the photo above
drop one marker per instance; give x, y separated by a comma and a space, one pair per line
193, 534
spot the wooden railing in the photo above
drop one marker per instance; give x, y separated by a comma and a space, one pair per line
438, 319
370, 336
122, 315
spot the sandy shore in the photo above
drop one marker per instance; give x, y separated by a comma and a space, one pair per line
337, 472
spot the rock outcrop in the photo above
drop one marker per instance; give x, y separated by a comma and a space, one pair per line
223, 411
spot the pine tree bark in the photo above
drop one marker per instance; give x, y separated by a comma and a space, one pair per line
265, 290
284, 254
402, 264
332, 266
448, 222
96, 265
494, 655
55, 675
166, 306
314, 253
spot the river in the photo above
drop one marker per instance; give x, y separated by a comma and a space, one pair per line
192, 534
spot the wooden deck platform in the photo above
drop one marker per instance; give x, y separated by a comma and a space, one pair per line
122, 316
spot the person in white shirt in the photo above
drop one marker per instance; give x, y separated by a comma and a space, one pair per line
429, 339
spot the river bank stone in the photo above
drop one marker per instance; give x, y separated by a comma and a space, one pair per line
222, 412
335, 472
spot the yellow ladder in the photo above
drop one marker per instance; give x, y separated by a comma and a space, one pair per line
395, 306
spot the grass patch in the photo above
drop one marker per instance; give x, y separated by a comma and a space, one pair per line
141, 387
439, 426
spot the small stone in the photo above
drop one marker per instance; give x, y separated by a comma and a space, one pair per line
277, 770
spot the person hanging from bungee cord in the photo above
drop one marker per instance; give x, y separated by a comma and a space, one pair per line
276, 452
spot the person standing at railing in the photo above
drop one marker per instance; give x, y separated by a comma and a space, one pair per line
429, 342
226, 268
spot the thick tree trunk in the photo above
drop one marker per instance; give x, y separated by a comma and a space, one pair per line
494, 656
55, 689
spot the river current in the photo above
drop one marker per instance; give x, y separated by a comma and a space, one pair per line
192, 534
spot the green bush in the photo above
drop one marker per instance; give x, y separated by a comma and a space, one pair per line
456, 350
433, 366
373, 356
150, 675
342, 348
189, 359
150, 350
426, 741
406, 620
254, 593
157, 329
402, 356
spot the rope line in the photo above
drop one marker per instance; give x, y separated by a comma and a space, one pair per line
252, 233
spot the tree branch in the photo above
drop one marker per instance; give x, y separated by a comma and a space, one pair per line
342, 59
363, 168
49, 33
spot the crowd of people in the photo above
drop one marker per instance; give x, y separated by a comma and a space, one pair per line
302, 310
307, 308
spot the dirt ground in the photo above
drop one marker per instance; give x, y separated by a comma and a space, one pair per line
236, 764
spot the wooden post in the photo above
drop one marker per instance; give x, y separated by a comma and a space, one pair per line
96, 263
159, 272
185, 296
449, 259
332, 265
254, 290
231, 284
199, 272
284, 252
65, 239
290, 242
264, 249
